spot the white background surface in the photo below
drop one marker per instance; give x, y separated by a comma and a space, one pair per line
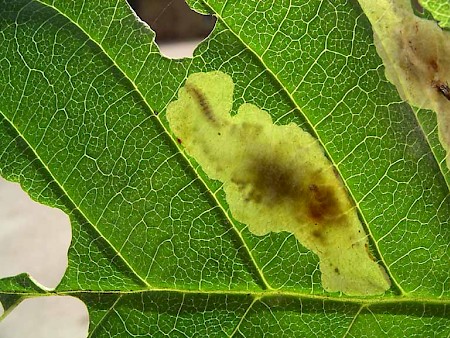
35, 238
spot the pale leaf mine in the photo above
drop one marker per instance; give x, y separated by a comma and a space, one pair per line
416, 57
276, 178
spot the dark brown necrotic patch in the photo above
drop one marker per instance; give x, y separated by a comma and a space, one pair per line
323, 204
273, 182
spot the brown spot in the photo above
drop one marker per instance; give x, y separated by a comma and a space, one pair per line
203, 103
323, 204
442, 88
337, 271
179, 141
317, 234
273, 182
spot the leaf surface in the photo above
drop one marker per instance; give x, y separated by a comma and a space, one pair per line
155, 249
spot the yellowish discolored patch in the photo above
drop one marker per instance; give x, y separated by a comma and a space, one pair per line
276, 178
416, 56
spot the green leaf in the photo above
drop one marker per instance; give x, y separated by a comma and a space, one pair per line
155, 249
440, 9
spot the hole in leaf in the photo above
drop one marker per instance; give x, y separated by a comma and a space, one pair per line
44, 317
34, 238
179, 29
417, 7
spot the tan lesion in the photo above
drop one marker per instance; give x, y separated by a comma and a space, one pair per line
276, 178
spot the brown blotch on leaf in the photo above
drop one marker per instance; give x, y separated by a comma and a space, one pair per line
268, 181
323, 204
272, 182
317, 234
433, 65
275, 178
